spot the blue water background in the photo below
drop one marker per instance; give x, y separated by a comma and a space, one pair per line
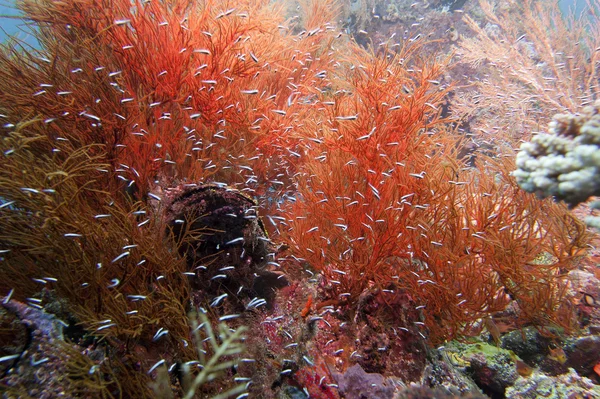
11, 26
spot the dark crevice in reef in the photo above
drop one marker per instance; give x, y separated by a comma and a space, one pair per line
224, 242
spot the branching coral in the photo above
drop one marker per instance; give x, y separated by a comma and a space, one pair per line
133, 138
61, 231
224, 346
125, 98
531, 62
387, 204
178, 91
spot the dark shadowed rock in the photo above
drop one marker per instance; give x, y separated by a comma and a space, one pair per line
219, 232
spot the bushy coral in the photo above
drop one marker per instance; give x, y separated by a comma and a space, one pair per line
141, 140
387, 204
563, 163
120, 102
523, 66
186, 91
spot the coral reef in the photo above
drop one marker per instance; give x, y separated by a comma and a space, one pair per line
587, 287
434, 393
582, 355
492, 372
522, 67
563, 163
355, 383
216, 226
382, 343
237, 199
38, 362
528, 343
491, 368
569, 385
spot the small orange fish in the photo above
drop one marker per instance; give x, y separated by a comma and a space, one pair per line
493, 329
306, 309
523, 368
557, 354
597, 369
